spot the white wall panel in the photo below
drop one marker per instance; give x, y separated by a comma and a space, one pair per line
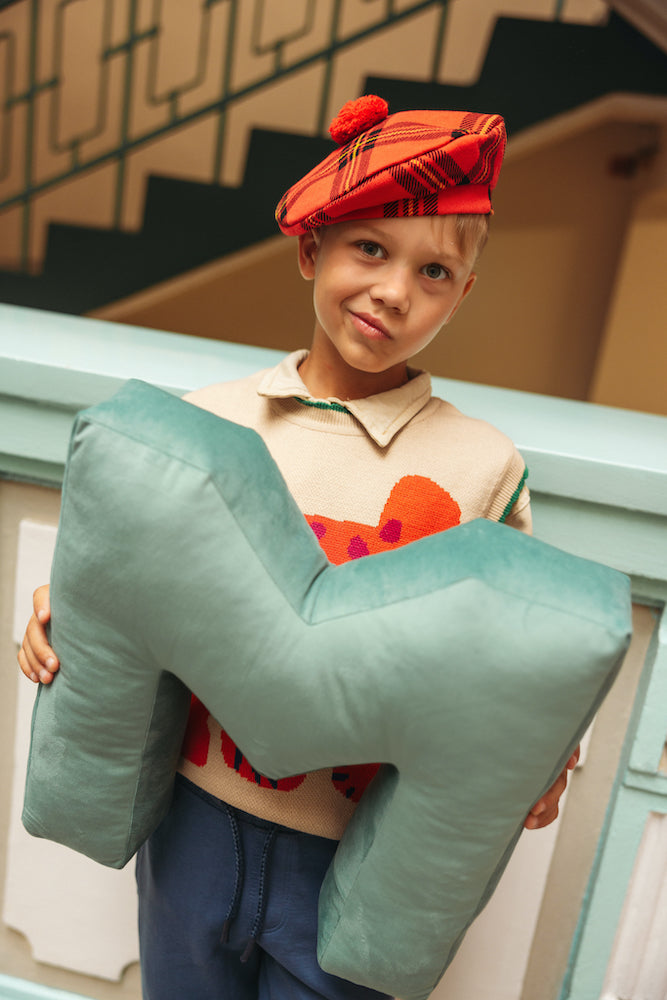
638, 966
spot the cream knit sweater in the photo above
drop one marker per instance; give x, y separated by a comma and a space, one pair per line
368, 475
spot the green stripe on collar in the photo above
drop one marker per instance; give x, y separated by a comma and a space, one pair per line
319, 404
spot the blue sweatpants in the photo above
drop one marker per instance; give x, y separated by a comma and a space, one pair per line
228, 907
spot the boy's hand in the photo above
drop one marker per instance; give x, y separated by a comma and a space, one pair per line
36, 658
545, 809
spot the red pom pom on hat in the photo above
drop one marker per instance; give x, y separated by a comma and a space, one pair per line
358, 116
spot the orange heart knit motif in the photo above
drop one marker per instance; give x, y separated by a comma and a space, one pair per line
416, 507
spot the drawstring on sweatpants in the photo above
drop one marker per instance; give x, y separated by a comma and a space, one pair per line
239, 876
261, 896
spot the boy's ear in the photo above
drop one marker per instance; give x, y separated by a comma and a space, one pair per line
307, 254
467, 288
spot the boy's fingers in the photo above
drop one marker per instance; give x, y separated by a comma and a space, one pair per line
29, 656
26, 667
35, 640
37, 656
32, 667
545, 810
41, 604
538, 822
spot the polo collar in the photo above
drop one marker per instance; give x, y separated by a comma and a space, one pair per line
381, 416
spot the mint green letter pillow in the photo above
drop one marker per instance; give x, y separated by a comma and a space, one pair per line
469, 662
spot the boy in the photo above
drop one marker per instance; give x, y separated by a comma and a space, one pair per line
388, 227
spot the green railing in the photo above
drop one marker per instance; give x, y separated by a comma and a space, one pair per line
84, 149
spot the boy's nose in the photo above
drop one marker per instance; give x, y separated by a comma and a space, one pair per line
393, 290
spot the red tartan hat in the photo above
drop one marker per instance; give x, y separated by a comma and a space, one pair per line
408, 163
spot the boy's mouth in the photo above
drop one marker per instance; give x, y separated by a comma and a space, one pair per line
371, 327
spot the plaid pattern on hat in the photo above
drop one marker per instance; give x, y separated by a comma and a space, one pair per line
410, 163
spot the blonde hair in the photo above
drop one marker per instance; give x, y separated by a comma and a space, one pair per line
472, 232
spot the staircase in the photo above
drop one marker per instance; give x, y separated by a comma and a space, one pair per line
185, 225
533, 71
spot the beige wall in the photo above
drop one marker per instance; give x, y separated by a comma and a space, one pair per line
632, 369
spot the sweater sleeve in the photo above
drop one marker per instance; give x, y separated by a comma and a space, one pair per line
520, 515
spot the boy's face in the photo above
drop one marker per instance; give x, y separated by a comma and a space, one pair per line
383, 290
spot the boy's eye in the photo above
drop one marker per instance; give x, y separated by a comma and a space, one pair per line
435, 271
371, 249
